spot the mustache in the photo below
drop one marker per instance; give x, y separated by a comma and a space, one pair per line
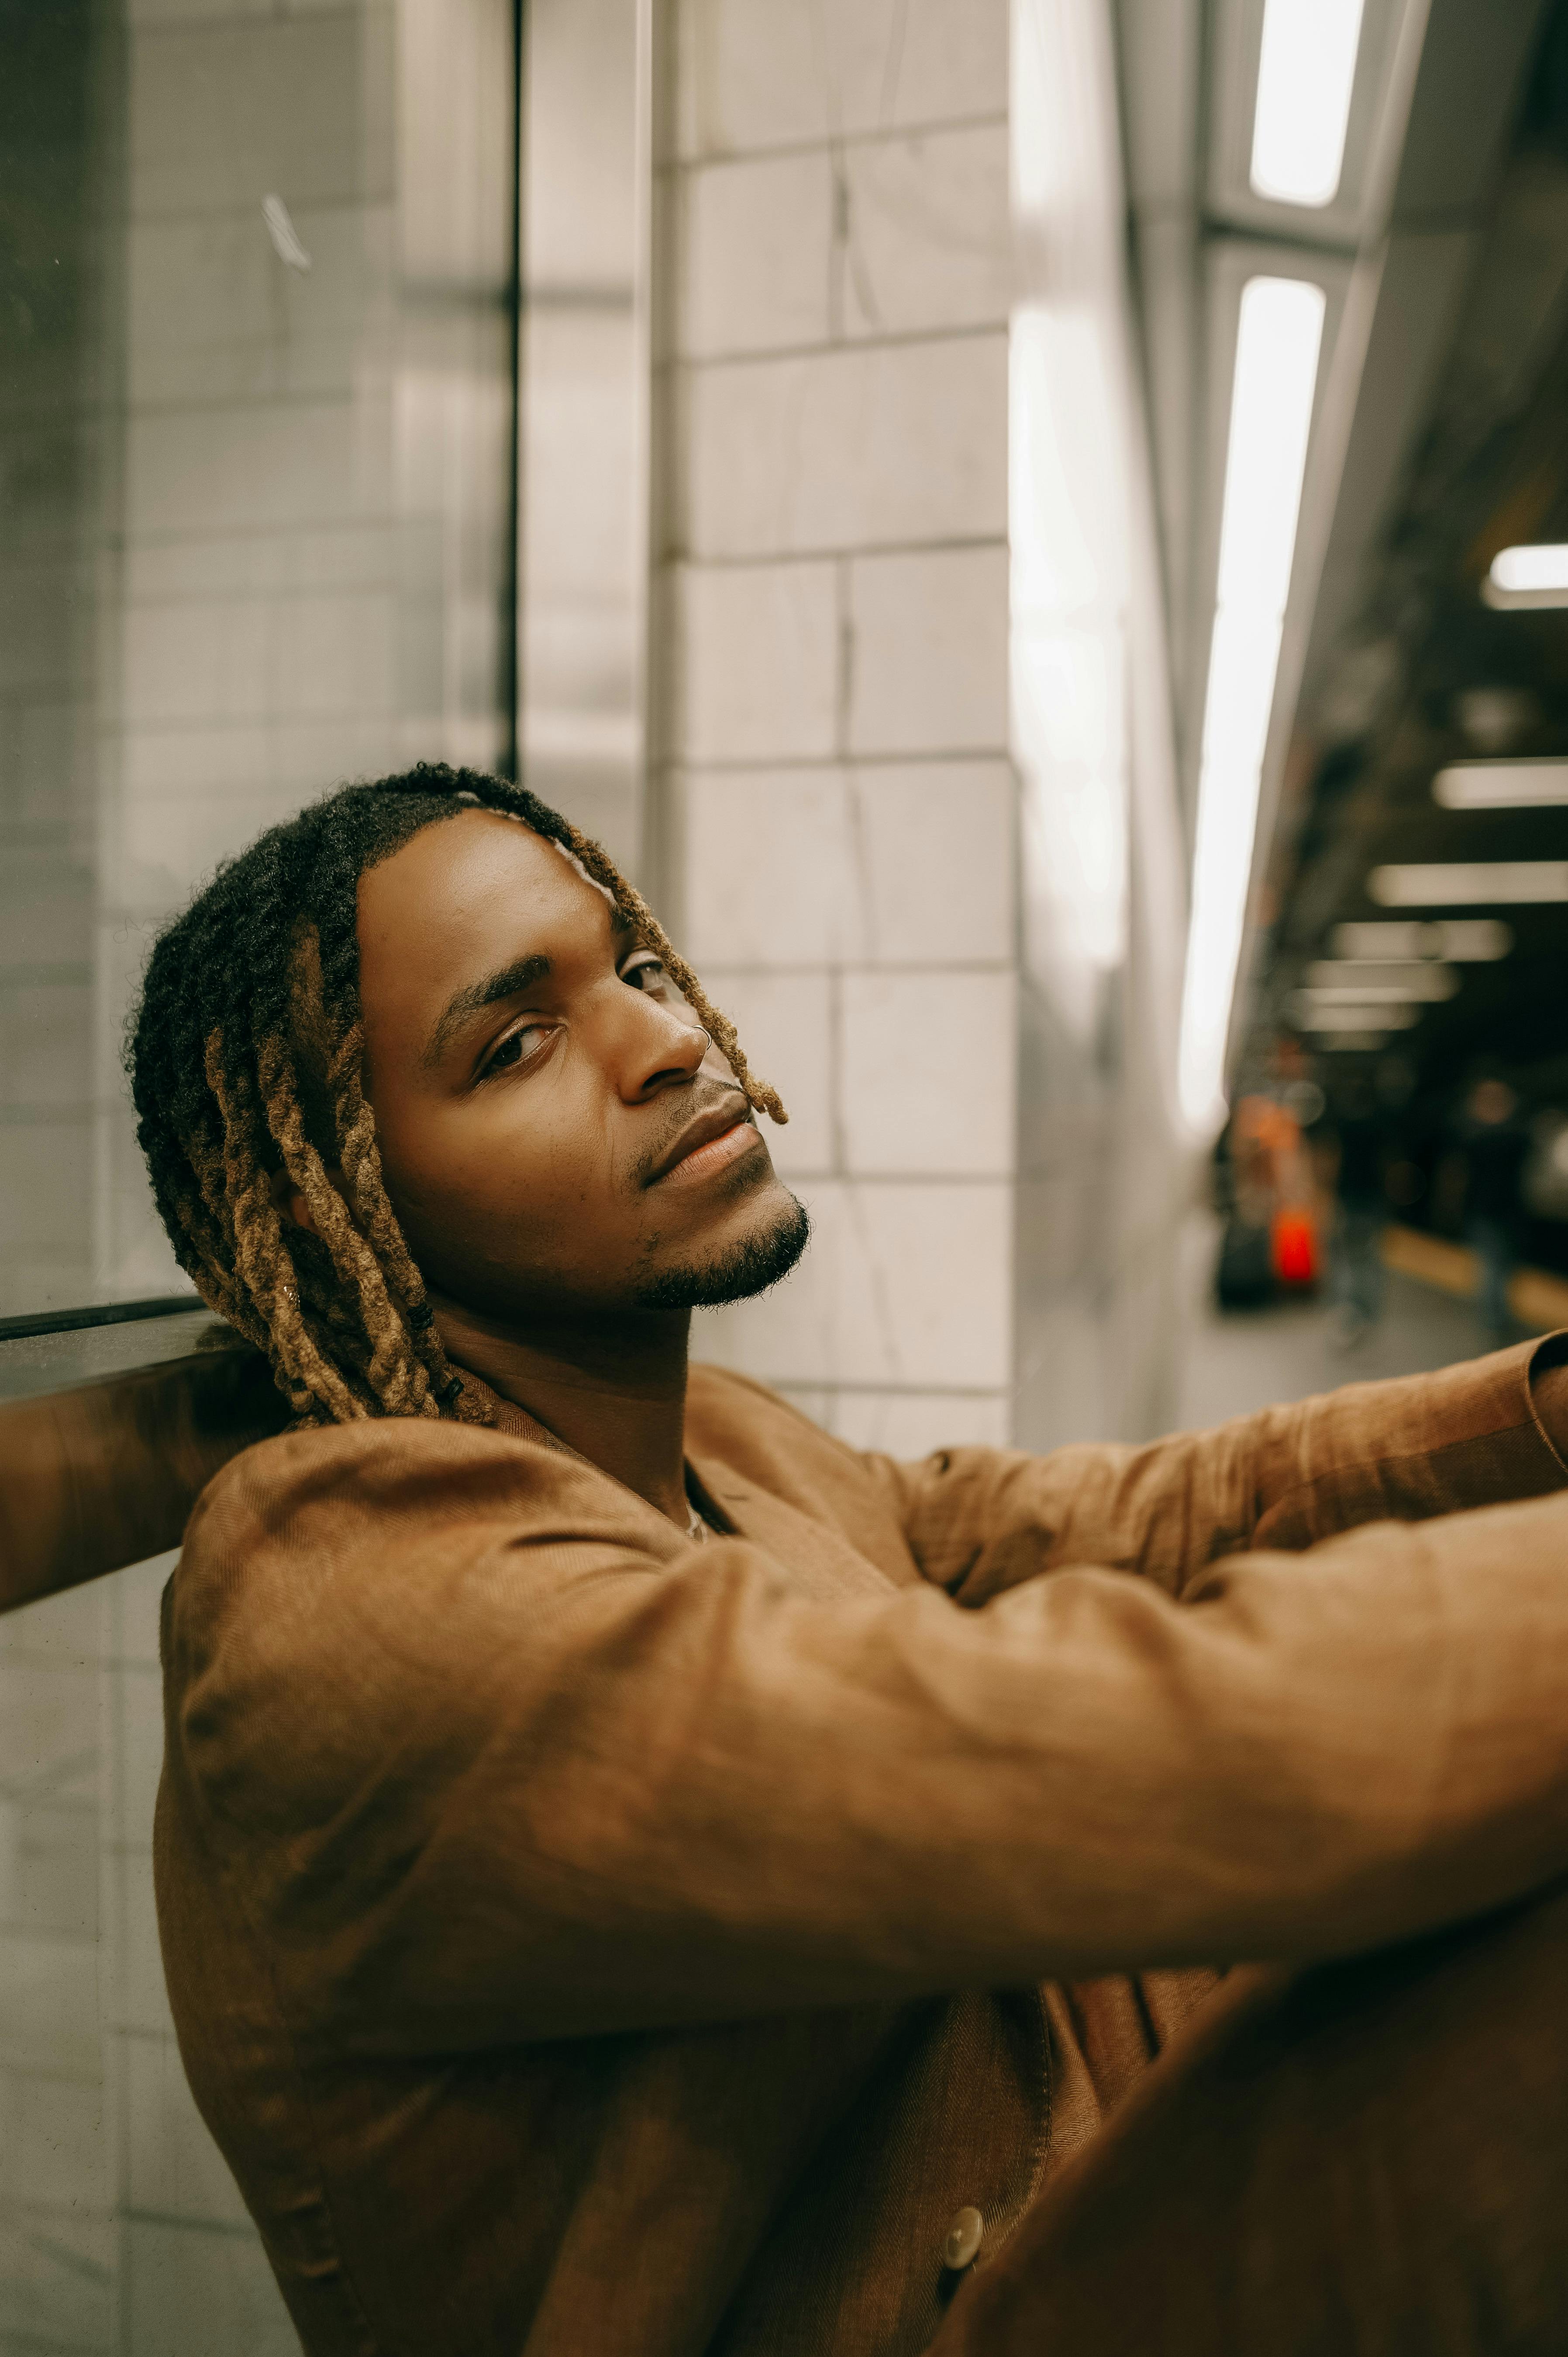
682, 1112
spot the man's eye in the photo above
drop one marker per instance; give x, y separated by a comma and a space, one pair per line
519, 1047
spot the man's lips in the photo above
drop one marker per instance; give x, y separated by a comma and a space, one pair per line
708, 1143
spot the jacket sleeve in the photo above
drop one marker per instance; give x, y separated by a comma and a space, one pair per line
481, 1770
978, 1520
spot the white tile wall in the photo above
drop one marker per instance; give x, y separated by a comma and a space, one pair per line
222, 111
911, 1424
754, 651
57, 2287
771, 876
930, 670
44, 1042
926, 1073
834, 658
175, 2168
754, 74
257, 466
928, 231
53, 2154
196, 2290
894, 862
44, 1188
939, 861
215, 317
754, 261
905, 1285
874, 446
786, 1022
313, 464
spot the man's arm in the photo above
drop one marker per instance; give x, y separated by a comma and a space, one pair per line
492, 1754
980, 1520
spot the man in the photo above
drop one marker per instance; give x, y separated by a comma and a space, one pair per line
637, 1875
1360, 1133
1495, 1145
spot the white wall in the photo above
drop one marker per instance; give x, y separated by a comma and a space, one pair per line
1104, 1176
914, 792
831, 666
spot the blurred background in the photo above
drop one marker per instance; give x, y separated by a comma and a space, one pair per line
1036, 528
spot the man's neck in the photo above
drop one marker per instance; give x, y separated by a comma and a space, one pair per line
615, 1392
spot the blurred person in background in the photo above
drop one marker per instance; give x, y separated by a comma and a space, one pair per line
1265, 1190
1244, 1182
1493, 1143
1361, 1142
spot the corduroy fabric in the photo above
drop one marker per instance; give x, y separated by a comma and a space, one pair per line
584, 1941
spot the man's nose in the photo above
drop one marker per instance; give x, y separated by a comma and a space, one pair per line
663, 1048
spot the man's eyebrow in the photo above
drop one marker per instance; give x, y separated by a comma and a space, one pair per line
505, 982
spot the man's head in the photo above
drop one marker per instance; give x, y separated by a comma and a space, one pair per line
425, 1040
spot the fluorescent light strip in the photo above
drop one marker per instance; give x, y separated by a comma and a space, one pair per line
1498, 880
1500, 785
1370, 978
1530, 574
1307, 71
1459, 940
1278, 336
1309, 1012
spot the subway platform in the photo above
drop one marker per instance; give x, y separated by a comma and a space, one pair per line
1232, 1361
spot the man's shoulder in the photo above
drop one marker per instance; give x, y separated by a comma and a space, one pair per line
354, 1518
381, 1463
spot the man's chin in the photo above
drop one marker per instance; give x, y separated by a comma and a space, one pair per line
745, 1267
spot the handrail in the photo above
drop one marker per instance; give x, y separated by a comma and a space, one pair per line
107, 1313
104, 1473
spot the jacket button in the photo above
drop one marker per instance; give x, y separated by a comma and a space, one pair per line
964, 2237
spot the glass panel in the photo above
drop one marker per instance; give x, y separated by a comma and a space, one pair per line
256, 411
256, 446
583, 380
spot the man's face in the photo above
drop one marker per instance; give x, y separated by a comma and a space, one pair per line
555, 1134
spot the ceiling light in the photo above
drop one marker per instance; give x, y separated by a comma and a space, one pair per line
1277, 340
1500, 785
1306, 69
1532, 574
1476, 880
1309, 1010
1370, 978
1459, 940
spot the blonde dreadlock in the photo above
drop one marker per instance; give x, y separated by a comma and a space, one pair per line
247, 1059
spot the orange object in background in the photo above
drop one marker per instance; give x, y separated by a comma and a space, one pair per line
1295, 1243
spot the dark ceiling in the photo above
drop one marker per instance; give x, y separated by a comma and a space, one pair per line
1427, 673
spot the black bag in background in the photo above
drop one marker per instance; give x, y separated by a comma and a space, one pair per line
1244, 1277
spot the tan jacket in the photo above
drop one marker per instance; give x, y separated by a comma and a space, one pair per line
585, 1941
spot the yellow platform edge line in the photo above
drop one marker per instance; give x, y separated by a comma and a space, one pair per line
1537, 1299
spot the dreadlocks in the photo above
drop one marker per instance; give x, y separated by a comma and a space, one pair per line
246, 1058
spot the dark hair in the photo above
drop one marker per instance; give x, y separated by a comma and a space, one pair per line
245, 1056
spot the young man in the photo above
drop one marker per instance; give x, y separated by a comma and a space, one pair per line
638, 1876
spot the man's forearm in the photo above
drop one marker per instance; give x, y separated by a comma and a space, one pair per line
1483, 1432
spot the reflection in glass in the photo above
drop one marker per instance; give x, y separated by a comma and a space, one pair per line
255, 443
